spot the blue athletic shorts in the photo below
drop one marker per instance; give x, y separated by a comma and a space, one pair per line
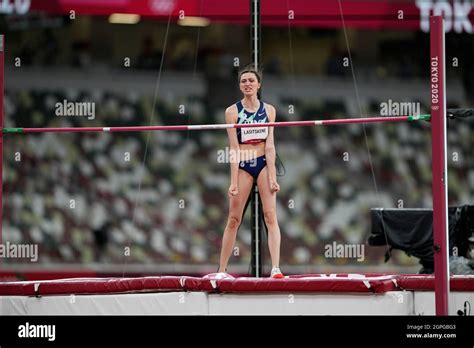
254, 166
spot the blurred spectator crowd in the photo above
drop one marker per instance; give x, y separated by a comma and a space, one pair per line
160, 197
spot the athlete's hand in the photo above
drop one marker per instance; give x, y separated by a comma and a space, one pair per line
274, 186
233, 190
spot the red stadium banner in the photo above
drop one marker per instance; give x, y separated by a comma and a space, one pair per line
152, 8
399, 14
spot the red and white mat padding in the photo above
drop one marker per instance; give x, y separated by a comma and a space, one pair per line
311, 294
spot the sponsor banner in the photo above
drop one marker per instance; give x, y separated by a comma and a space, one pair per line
399, 14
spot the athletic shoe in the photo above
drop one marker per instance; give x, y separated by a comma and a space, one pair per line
276, 273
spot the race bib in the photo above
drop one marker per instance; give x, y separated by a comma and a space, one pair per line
252, 134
